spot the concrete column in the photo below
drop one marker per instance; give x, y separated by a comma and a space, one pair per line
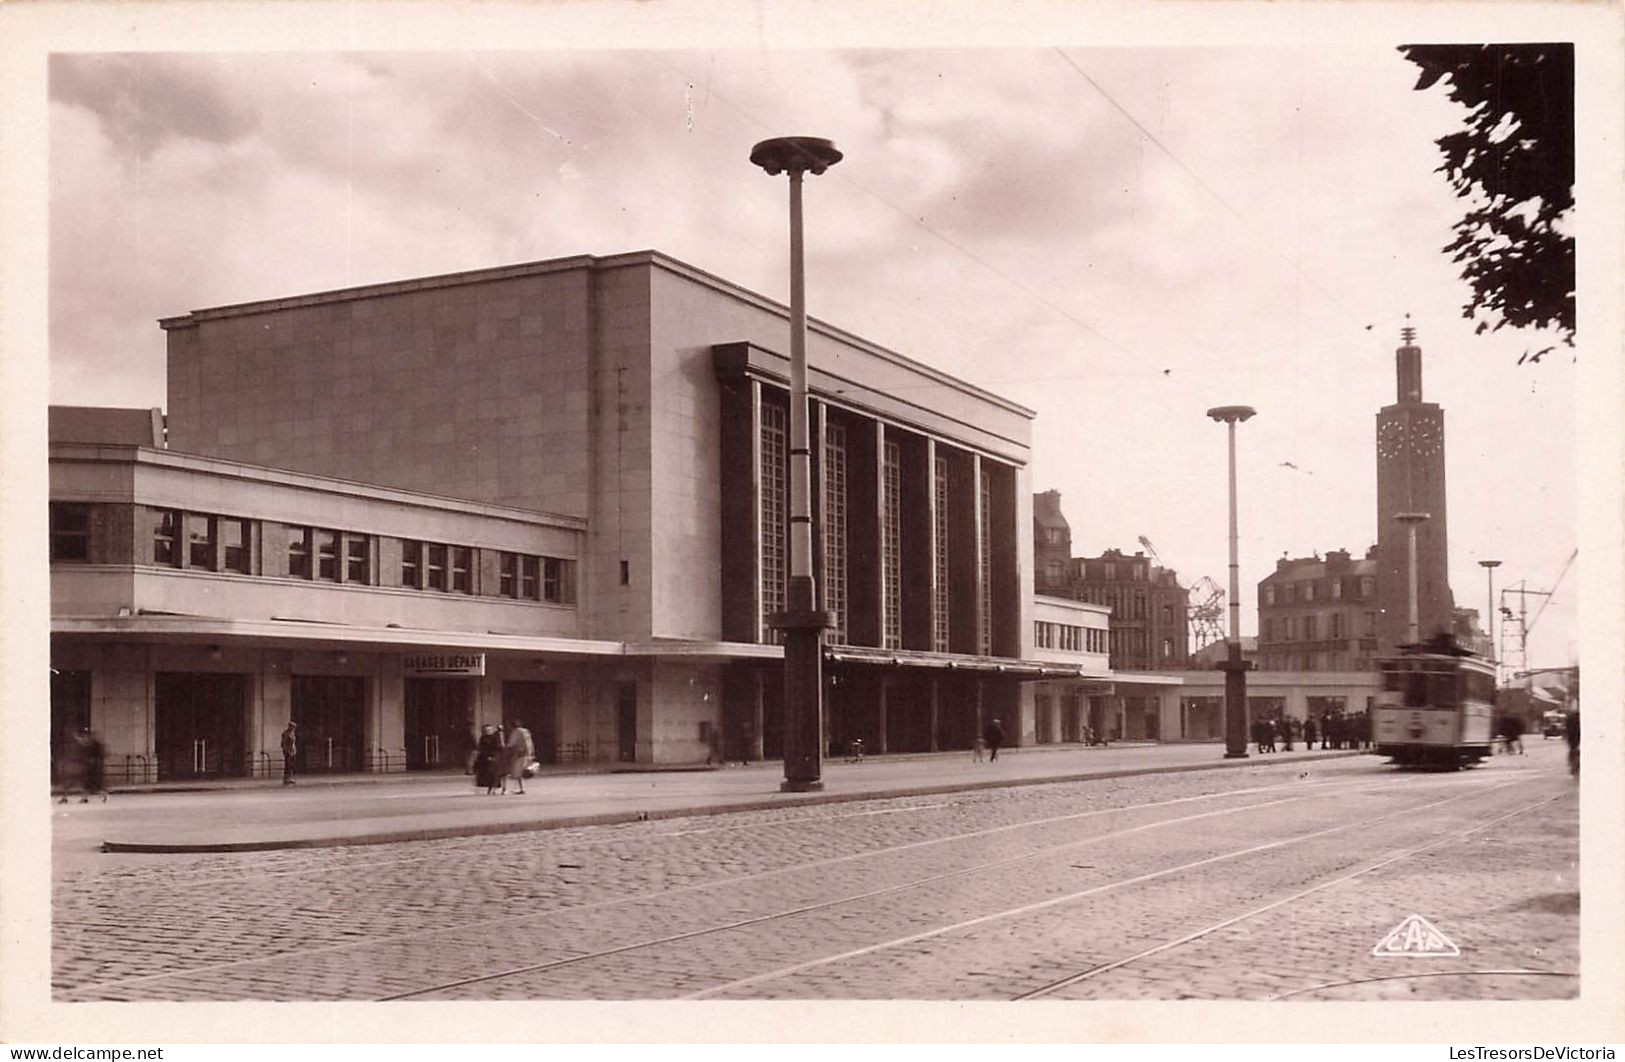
882, 705
936, 700
756, 754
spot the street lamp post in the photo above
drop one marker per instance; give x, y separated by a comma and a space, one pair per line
1413, 633
1234, 667
804, 619
1489, 567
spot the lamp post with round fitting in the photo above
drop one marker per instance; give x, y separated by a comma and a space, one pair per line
804, 620
1489, 567
1234, 667
1413, 632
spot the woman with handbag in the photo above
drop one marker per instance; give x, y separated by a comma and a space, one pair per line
517, 756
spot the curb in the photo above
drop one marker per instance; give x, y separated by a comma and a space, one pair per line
437, 833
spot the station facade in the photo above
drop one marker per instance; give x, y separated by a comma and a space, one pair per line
550, 493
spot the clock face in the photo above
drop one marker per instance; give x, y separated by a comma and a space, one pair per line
1426, 438
1390, 439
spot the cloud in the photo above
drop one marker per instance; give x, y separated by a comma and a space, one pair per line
144, 101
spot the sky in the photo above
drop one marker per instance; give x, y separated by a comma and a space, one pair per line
1117, 238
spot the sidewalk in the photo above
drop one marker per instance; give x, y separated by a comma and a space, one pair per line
240, 816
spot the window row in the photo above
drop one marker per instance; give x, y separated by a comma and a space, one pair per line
1363, 588
1309, 628
1111, 571
176, 538
1071, 638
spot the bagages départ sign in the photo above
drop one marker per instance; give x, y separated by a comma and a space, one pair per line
443, 664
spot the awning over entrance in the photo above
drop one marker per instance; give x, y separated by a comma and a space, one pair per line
1021, 670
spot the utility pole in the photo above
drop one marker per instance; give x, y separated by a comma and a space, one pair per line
804, 621
1234, 666
1489, 567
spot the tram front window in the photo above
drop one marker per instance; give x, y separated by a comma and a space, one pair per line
1442, 692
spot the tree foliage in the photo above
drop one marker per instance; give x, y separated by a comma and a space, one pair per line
1514, 162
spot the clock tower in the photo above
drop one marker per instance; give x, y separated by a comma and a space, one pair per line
1410, 479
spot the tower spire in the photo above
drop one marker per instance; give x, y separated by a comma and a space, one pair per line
1408, 364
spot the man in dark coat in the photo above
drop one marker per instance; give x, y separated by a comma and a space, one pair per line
993, 734
290, 751
95, 756
1309, 734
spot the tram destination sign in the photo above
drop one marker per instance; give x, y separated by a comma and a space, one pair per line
443, 664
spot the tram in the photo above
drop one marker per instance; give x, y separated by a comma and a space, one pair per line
1436, 706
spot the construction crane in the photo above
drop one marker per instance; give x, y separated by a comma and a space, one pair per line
1204, 605
1205, 613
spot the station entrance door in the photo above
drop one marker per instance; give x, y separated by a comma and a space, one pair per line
199, 725
331, 711
439, 721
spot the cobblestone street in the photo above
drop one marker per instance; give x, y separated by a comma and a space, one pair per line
1273, 881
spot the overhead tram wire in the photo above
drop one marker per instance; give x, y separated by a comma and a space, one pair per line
844, 176
1202, 184
1552, 592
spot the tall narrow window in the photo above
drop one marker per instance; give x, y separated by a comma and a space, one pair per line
891, 545
558, 580
530, 578
984, 565
233, 545
412, 564
299, 552
462, 569
166, 530
435, 569
835, 528
327, 555
358, 559
939, 533
508, 575
774, 510
199, 541
70, 531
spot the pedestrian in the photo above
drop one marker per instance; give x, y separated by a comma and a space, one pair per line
1285, 727
487, 755
993, 734
93, 755
290, 751
1309, 734
1512, 732
70, 768
1571, 735
520, 752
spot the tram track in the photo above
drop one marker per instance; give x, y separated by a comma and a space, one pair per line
307, 954
1188, 938
1068, 898
1327, 789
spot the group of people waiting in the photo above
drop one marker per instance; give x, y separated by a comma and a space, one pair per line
1333, 731
81, 767
501, 756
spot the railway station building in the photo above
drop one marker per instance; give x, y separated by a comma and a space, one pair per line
553, 493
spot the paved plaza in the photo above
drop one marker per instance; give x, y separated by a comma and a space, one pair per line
1272, 880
